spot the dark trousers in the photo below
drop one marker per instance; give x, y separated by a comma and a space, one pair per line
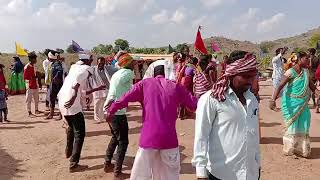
54, 90
48, 96
5, 113
211, 177
75, 137
119, 130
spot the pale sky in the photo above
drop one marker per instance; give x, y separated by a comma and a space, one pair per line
40, 24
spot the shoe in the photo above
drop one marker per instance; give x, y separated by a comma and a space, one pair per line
6, 120
31, 115
107, 167
38, 112
78, 168
49, 117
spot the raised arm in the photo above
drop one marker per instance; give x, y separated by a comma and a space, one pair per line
135, 94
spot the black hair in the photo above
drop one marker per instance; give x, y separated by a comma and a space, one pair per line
312, 51
159, 70
194, 60
100, 58
184, 56
236, 55
278, 51
301, 54
32, 55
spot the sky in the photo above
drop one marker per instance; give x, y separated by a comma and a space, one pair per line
40, 24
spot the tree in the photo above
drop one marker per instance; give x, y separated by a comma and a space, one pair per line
181, 47
315, 38
103, 49
70, 49
121, 44
266, 46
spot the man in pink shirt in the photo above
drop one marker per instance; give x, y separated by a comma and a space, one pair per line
158, 156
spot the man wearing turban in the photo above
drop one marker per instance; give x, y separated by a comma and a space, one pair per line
226, 144
120, 83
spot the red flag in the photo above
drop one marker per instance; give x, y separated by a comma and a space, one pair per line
215, 47
199, 45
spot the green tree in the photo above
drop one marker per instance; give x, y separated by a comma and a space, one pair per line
103, 49
121, 44
266, 46
315, 38
70, 49
181, 47
264, 62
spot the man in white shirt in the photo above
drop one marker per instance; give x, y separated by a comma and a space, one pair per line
71, 109
277, 64
226, 144
102, 74
169, 65
45, 65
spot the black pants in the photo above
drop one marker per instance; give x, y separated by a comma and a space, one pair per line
119, 130
75, 137
54, 90
211, 177
5, 113
48, 96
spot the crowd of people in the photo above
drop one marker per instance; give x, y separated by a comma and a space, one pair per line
225, 102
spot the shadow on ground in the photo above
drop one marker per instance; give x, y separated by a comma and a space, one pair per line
9, 167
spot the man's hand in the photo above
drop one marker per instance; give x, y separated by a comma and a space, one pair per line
103, 87
272, 105
70, 102
108, 105
109, 117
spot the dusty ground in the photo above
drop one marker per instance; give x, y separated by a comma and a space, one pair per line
34, 148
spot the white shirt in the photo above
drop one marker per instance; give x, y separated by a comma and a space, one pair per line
78, 74
45, 65
227, 137
169, 68
277, 65
96, 80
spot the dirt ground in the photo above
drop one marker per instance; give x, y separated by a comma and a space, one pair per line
34, 148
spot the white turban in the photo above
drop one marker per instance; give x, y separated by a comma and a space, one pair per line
53, 56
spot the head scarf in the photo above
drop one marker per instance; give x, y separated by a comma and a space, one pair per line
246, 64
124, 60
53, 55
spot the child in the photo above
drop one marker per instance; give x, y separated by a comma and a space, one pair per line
3, 97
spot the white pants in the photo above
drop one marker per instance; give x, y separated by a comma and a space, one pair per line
98, 109
155, 164
32, 93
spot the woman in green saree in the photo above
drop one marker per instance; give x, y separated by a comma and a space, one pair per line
16, 83
295, 108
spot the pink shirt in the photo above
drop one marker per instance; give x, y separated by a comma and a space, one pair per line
160, 99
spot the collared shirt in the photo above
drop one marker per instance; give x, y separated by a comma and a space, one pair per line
169, 68
78, 74
227, 137
29, 76
120, 83
160, 99
277, 67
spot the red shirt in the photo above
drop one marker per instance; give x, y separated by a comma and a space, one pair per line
30, 74
3, 82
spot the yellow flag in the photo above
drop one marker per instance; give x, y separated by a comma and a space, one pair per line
20, 51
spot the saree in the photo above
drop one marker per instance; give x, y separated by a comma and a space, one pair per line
296, 113
16, 84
